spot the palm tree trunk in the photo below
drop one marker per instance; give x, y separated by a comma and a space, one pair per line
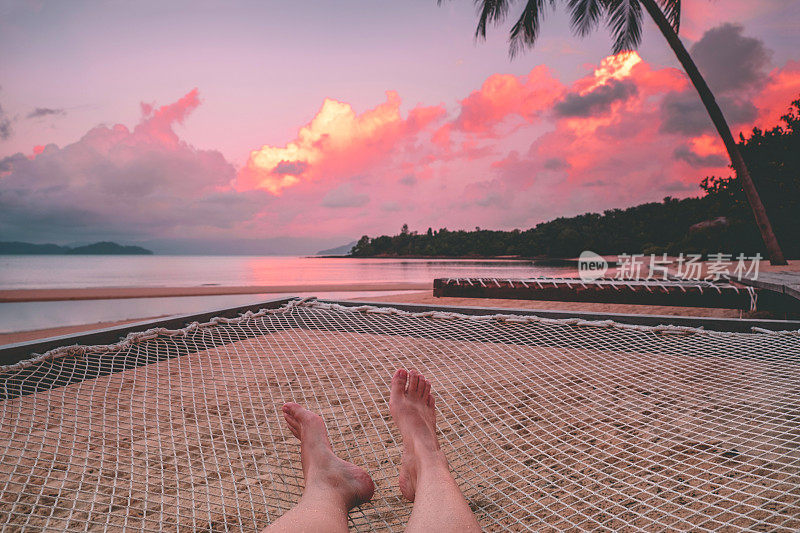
759, 212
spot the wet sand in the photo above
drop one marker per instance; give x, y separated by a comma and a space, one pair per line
22, 336
113, 293
426, 297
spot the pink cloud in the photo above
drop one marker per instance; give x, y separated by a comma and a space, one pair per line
157, 123
120, 183
514, 152
504, 95
774, 98
616, 154
338, 142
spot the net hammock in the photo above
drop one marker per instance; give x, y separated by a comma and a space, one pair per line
547, 424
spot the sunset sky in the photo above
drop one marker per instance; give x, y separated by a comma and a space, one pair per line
287, 127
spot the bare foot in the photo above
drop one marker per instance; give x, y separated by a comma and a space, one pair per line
414, 411
322, 470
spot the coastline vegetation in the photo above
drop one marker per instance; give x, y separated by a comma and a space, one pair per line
623, 18
666, 227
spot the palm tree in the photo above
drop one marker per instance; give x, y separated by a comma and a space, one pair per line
624, 20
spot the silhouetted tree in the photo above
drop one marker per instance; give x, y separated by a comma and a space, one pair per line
624, 20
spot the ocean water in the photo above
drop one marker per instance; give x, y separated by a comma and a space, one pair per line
69, 271
24, 316
55, 271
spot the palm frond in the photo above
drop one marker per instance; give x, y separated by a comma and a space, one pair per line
493, 11
524, 33
585, 15
625, 23
672, 11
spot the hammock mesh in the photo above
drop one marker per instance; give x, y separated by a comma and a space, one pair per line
547, 424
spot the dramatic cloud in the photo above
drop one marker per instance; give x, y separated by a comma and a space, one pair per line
290, 168
514, 152
504, 95
735, 68
597, 101
730, 61
613, 141
774, 98
684, 113
118, 183
336, 142
40, 112
684, 153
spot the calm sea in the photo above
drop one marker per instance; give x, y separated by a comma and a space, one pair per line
56, 271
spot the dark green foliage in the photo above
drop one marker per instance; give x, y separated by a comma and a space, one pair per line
773, 157
622, 17
615, 231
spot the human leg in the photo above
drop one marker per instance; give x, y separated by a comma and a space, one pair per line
425, 476
332, 485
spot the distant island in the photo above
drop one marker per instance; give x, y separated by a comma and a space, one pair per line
339, 250
98, 248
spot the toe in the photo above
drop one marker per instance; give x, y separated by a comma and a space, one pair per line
399, 381
287, 410
294, 425
292, 409
420, 387
413, 383
427, 391
431, 401
291, 420
303, 415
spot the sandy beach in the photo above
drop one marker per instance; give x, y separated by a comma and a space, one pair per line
112, 293
118, 461
22, 336
419, 293
552, 433
419, 297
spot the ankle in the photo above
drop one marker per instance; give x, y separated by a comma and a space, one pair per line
324, 494
432, 459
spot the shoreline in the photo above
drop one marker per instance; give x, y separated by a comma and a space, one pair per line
426, 298
44, 333
116, 293
437, 257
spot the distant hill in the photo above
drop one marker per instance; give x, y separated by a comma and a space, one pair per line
98, 248
109, 248
339, 250
26, 248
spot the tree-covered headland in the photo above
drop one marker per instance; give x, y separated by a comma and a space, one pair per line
773, 156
